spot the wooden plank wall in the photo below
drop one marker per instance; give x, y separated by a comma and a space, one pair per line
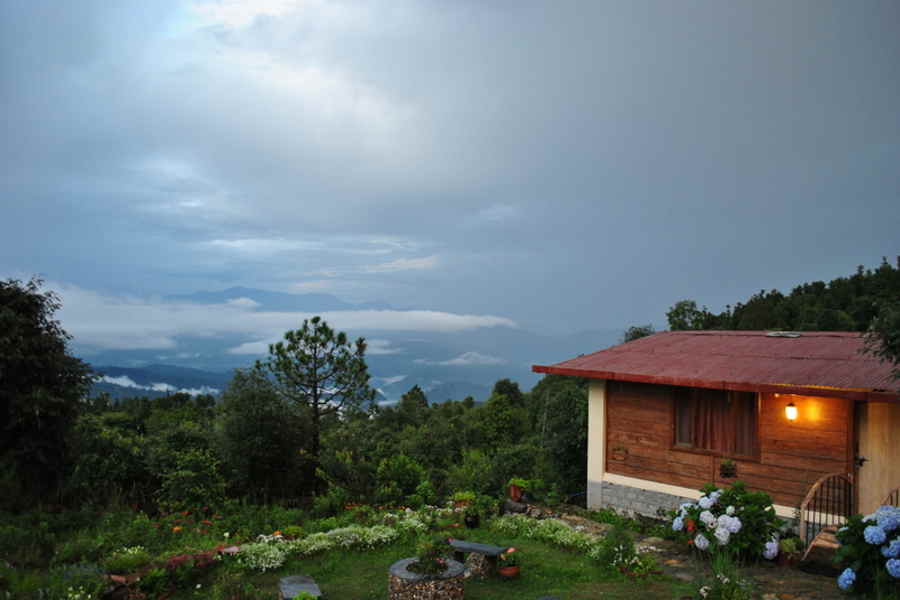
793, 455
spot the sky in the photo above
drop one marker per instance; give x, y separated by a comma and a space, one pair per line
554, 166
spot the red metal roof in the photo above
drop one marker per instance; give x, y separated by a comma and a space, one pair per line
821, 363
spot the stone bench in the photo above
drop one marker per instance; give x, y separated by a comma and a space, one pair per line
490, 553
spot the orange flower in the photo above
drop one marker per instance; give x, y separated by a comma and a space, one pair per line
176, 529
277, 532
690, 525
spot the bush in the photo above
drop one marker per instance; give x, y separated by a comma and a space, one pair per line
870, 552
397, 478
126, 560
726, 583
194, 482
736, 521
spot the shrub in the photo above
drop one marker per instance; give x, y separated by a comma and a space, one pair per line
332, 503
430, 558
126, 560
194, 482
870, 551
736, 521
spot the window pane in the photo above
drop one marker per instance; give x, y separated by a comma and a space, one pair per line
744, 412
684, 417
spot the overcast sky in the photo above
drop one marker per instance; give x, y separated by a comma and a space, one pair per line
559, 166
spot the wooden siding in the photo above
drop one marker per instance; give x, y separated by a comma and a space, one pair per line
640, 442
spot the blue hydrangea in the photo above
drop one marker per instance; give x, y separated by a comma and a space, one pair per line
771, 549
891, 550
701, 542
846, 579
874, 535
893, 567
888, 517
677, 524
706, 503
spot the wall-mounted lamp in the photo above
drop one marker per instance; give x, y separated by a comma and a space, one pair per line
790, 411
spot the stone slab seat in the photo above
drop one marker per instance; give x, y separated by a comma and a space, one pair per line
461, 548
290, 587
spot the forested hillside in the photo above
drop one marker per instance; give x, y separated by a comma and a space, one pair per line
847, 303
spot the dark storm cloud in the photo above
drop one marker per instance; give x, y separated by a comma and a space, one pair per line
568, 165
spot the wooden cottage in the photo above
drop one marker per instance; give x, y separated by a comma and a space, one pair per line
796, 415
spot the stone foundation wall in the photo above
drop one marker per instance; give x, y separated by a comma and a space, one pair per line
405, 585
633, 501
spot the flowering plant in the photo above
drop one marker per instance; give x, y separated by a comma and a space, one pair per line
735, 520
870, 551
510, 558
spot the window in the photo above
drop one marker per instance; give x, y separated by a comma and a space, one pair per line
716, 420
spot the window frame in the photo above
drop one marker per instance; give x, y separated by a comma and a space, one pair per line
680, 447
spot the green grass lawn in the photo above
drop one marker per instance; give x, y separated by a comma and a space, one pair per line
546, 570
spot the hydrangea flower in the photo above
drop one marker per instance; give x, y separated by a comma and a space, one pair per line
701, 542
706, 503
846, 579
888, 517
678, 524
874, 534
891, 550
893, 567
771, 549
722, 535
708, 519
729, 511
734, 525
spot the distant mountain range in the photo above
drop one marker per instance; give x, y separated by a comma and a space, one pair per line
446, 365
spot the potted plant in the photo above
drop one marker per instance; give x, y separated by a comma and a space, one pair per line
516, 487
463, 499
727, 468
509, 564
788, 551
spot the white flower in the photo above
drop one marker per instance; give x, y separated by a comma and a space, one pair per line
704, 591
225, 535
771, 550
701, 542
708, 519
734, 525
706, 503
722, 535
729, 511
198, 586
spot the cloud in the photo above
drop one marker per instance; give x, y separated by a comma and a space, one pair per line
404, 264
243, 302
386, 381
377, 347
125, 381
116, 322
466, 359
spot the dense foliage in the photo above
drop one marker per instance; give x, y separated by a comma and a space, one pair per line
41, 386
842, 304
734, 521
870, 552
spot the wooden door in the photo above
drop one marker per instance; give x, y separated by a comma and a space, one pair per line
878, 438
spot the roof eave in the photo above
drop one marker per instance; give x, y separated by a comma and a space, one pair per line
737, 386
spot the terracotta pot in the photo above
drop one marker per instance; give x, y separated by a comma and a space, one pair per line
508, 572
515, 493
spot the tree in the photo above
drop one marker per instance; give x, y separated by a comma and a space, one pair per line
261, 437
685, 315
320, 371
41, 386
636, 332
883, 338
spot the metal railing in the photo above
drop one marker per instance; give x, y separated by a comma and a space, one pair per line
827, 506
892, 499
